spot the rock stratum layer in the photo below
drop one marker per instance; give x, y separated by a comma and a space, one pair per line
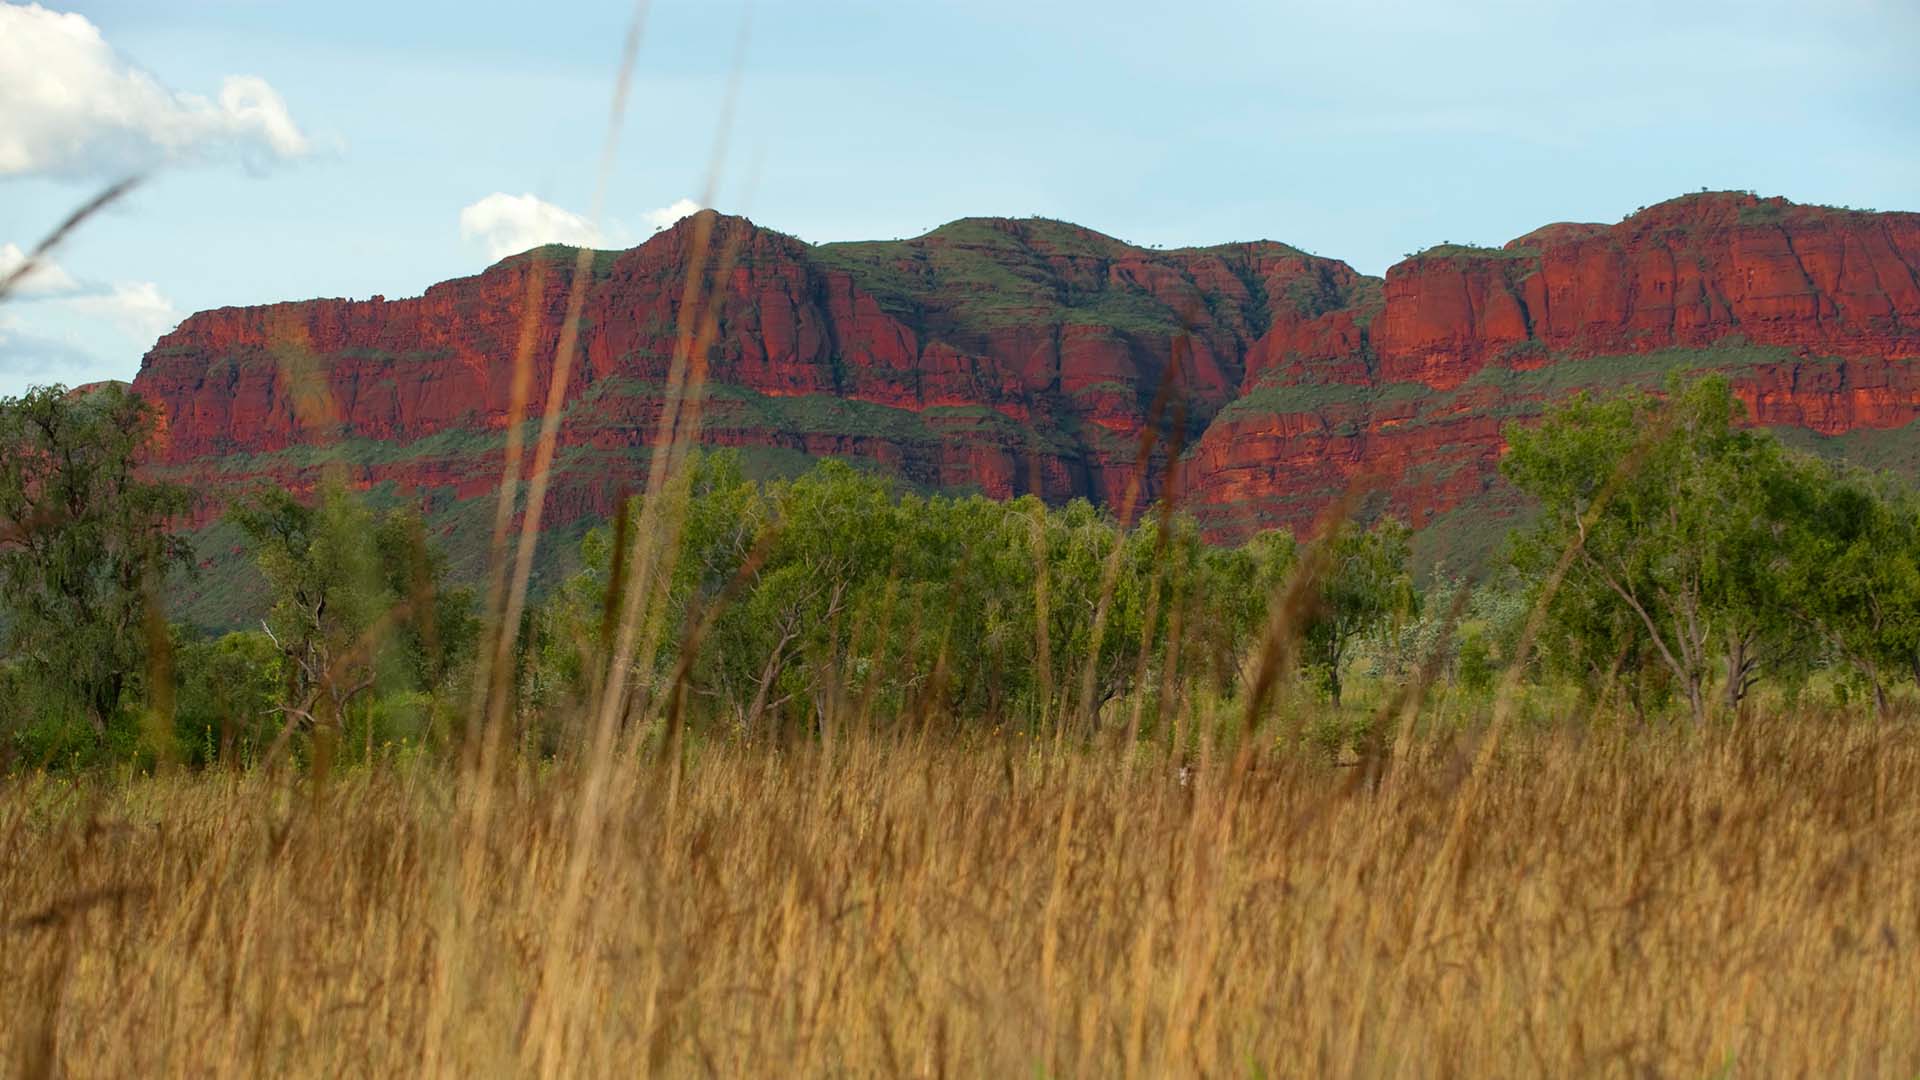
1015, 356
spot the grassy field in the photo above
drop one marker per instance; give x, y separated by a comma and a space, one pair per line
1744, 901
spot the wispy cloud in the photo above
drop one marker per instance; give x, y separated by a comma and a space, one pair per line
45, 278
135, 308
74, 107
56, 327
31, 359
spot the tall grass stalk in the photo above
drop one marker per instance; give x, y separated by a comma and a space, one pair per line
1666, 903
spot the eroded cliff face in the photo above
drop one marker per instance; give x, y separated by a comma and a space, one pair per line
1008, 356
1685, 273
1027, 356
1813, 312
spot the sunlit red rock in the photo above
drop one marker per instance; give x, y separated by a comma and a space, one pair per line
1012, 356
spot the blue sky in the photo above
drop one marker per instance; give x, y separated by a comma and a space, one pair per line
301, 150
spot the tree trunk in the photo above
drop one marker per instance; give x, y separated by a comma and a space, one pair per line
1740, 668
1871, 670
104, 699
763, 692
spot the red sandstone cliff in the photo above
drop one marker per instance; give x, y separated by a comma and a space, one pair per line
1008, 356
1688, 272
1015, 356
1814, 313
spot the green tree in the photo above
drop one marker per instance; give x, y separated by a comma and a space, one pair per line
835, 530
1670, 511
1367, 583
229, 688
1596, 641
1236, 585
1854, 569
777, 575
357, 602
84, 545
834, 591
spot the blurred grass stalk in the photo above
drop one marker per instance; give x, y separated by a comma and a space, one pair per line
931, 900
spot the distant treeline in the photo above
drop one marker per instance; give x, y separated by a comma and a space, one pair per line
1680, 563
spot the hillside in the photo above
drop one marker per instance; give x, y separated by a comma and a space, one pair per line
1009, 356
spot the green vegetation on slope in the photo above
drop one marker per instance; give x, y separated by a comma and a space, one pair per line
977, 275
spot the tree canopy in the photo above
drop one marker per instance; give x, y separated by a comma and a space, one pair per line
85, 549
837, 586
1701, 548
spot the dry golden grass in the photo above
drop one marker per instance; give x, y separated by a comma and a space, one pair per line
1742, 902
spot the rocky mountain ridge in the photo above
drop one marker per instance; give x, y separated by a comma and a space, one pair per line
1013, 356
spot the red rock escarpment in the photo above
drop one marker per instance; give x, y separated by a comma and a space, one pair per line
1015, 356
1814, 313
1004, 355
1689, 272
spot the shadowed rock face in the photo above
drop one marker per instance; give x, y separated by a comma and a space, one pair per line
1026, 356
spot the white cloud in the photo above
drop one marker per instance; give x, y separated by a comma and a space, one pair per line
75, 107
510, 224
46, 278
135, 308
671, 213
58, 328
